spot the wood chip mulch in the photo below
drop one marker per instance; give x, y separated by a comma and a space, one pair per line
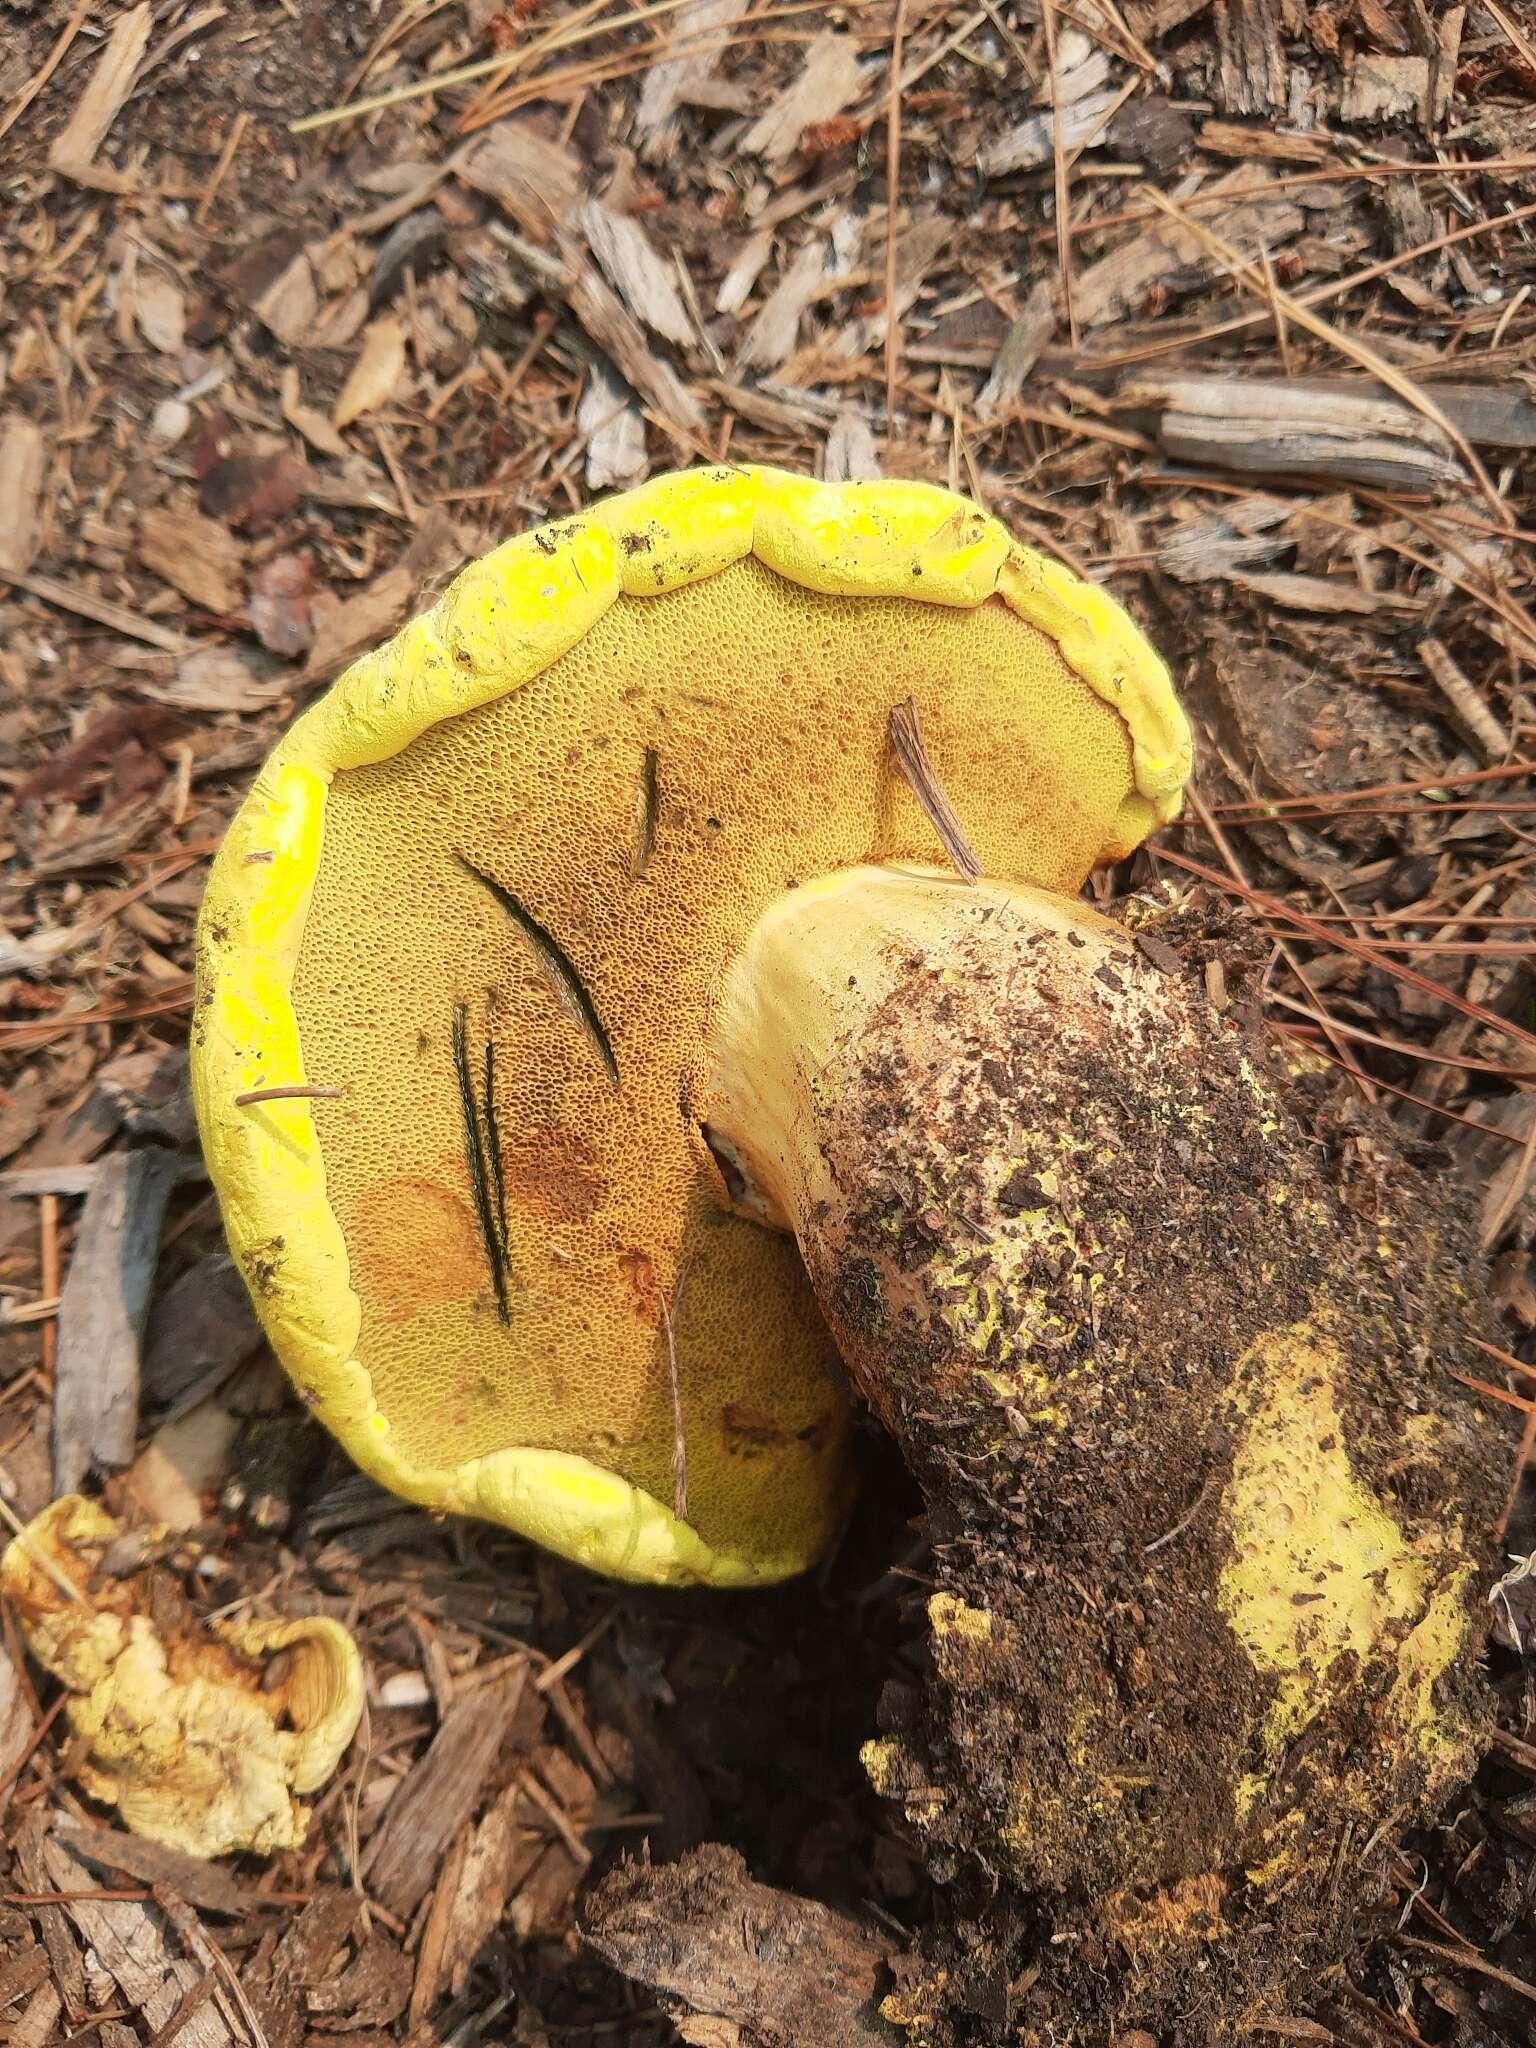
1232, 303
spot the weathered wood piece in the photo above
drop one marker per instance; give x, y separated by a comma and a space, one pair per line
102, 1311
439, 1795
1269, 427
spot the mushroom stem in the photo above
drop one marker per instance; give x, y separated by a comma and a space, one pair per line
1106, 1276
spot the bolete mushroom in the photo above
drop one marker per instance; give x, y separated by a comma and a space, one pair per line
588, 959
461, 949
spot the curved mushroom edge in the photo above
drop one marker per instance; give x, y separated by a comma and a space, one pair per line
502, 621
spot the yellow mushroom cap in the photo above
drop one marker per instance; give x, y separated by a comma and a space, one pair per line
486, 889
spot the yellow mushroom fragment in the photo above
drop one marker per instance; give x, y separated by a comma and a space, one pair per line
205, 1738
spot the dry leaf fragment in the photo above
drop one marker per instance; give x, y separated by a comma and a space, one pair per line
200, 1735
375, 375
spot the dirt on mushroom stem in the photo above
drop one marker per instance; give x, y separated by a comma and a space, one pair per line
1167, 1347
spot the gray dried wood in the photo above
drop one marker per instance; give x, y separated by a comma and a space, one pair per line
637, 270
1213, 545
738, 1961
201, 1329
1328, 594
1268, 427
700, 32
1251, 74
850, 455
1380, 89
1256, 219
1022, 347
615, 429
520, 164
21, 484
129, 1942
829, 80
205, 1885
604, 317
440, 1795
102, 1309
775, 328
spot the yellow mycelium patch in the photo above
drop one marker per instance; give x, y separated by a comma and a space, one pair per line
640, 726
1318, 1566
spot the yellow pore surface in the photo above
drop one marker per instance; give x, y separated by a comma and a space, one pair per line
640, 800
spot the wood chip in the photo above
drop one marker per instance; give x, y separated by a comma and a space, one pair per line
376, 376
101, 1315
851, 456
1467, 708
205, 1885
753, 1963
1022, 347
615, 429
160, 308
700, 32
830, 79
183, 1462
1255, 220
196, 555
620, 336
746, 267
1248, 140
641, 276
1381, 89
15, 1728
22, 458
440, 1795
128, 1940
1325, 594
75, 146
71, 597
1251, 76
290, 305
520, 164
771, 338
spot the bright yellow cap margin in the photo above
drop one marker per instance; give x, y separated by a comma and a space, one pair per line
502, 622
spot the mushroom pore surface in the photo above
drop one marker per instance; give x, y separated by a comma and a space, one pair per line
636, 806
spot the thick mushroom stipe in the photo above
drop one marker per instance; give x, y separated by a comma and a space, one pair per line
1207, 1511
486, 889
